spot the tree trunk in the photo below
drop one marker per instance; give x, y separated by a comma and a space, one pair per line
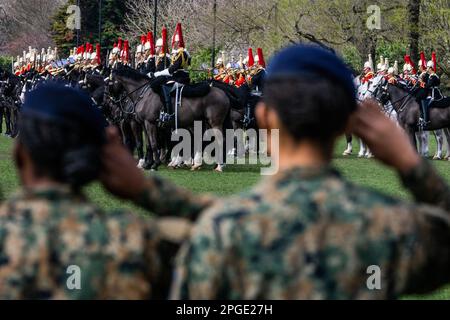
414, 35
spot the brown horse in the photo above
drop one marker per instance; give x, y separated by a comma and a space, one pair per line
211, 109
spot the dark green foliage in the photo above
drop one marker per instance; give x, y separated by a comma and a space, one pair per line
113, 13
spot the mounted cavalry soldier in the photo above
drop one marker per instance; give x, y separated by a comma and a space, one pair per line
162, 57
409, 72
392, 72
367, 71
150, 59
140, 55
429, 90
174, 71
257, 71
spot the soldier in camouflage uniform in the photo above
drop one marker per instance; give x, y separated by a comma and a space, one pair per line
306, 232
50, 225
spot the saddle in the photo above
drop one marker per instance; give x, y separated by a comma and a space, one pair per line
440, 104
196, 90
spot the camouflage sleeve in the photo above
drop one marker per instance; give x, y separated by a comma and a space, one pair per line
427, 186
165, 199
421, 259
199, 272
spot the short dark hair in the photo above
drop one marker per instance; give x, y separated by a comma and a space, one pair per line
63, 134
312, 108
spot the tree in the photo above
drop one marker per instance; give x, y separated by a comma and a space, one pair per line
113, 14
25, 23
413, 24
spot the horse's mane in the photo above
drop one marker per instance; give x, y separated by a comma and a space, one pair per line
127, 72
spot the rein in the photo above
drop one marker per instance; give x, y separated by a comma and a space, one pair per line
407, 97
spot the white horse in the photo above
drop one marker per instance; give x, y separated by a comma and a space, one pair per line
362, 93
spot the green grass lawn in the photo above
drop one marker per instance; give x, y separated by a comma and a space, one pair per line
237, 178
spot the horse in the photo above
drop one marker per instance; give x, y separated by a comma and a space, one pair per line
421, 136
408, 111
10, 90
118, 109
212, 108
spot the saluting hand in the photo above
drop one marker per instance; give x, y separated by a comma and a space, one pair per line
120, 175
387, 141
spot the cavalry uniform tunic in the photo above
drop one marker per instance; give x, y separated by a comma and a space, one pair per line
367, 77
179, 65
162, 62
310, 234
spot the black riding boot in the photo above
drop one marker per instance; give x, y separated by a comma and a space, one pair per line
167, 98
425, 111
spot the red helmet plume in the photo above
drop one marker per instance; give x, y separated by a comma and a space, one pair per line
143, 39
151, 40
433, 58
164, 38
98, 53
423, 60
262, 62
251, 59
178, 36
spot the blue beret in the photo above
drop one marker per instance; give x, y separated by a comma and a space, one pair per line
311, 61
57, 103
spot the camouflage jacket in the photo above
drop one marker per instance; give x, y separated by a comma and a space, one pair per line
56, 245
310, 234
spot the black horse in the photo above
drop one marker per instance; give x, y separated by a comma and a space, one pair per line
408, 110
10, 90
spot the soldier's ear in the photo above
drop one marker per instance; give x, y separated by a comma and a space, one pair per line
261, 115
18, 155
267, 117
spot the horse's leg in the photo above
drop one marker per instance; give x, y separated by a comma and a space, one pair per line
8, 120
425, 143
349, 149
148, 163
2, 111
439, 135
362, 149
220, 146
136, 130
15, 123
412, 135
447, 138
153, 136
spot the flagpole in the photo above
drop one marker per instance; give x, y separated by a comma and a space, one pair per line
78, 30
100, 23
213, 58
155, 19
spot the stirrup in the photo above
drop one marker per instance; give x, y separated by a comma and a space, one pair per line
422, 123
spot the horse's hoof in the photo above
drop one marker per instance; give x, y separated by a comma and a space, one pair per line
141, 164
437, 158
360, 156
147, 166
196, 167
347, 153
